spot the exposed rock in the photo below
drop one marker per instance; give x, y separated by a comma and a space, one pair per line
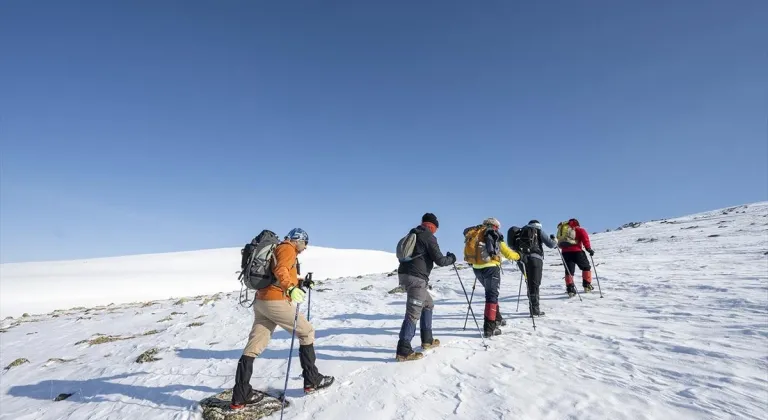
62, 397
148, 356
58, 360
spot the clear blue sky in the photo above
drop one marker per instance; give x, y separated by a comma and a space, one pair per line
152, 126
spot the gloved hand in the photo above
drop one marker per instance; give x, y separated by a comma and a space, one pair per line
296, 294
591, 252
552, 237
451, 256
308, 283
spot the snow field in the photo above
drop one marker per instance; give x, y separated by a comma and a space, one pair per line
681, 333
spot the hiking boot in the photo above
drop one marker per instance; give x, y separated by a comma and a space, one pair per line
571, 289
499, 320
410, 357
587, 287
253, 398
490, 329
427, 346
325, 382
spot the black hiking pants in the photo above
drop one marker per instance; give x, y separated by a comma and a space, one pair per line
573, 259
533, 270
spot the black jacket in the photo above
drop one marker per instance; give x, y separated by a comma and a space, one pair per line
429, 251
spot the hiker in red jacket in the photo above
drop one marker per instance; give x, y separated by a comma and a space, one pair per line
570, 240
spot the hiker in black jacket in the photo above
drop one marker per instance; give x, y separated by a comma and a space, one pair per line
413, 276
534, 262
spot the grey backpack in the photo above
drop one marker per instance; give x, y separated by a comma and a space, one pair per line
406, 247
257, 273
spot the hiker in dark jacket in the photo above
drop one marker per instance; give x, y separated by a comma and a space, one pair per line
414, 278
534, 264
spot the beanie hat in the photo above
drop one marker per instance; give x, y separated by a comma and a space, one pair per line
492, 221
430, 218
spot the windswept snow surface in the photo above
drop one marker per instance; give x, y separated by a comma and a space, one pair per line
47, 286
682, 333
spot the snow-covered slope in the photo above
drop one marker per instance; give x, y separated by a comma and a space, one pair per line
47, 286
682, 333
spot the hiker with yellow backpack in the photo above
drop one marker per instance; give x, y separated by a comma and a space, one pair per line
483, 248
570, 238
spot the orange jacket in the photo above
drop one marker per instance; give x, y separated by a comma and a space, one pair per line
285, 270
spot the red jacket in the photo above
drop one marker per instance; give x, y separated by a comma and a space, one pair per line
581, 237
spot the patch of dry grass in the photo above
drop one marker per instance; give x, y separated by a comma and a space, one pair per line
103, 339
18, 362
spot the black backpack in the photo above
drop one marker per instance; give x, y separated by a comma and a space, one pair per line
527, 241
513, 237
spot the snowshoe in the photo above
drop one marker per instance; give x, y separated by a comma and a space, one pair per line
427, 346
259, 404
325, 382
410, 357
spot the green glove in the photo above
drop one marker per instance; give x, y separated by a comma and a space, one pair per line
296, 294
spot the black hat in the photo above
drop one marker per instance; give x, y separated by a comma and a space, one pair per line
431, 218
534, 221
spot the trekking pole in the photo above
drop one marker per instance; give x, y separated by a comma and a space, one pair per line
519, 289
594, 267
466, 318
309, 300
569, 273
528, 293
309, 303
290, 356
470, 307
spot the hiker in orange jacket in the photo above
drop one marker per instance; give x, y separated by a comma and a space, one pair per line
273, 306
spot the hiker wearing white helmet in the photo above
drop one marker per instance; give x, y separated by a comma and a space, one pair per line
483, 248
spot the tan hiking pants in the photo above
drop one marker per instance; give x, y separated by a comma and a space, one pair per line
267, 314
